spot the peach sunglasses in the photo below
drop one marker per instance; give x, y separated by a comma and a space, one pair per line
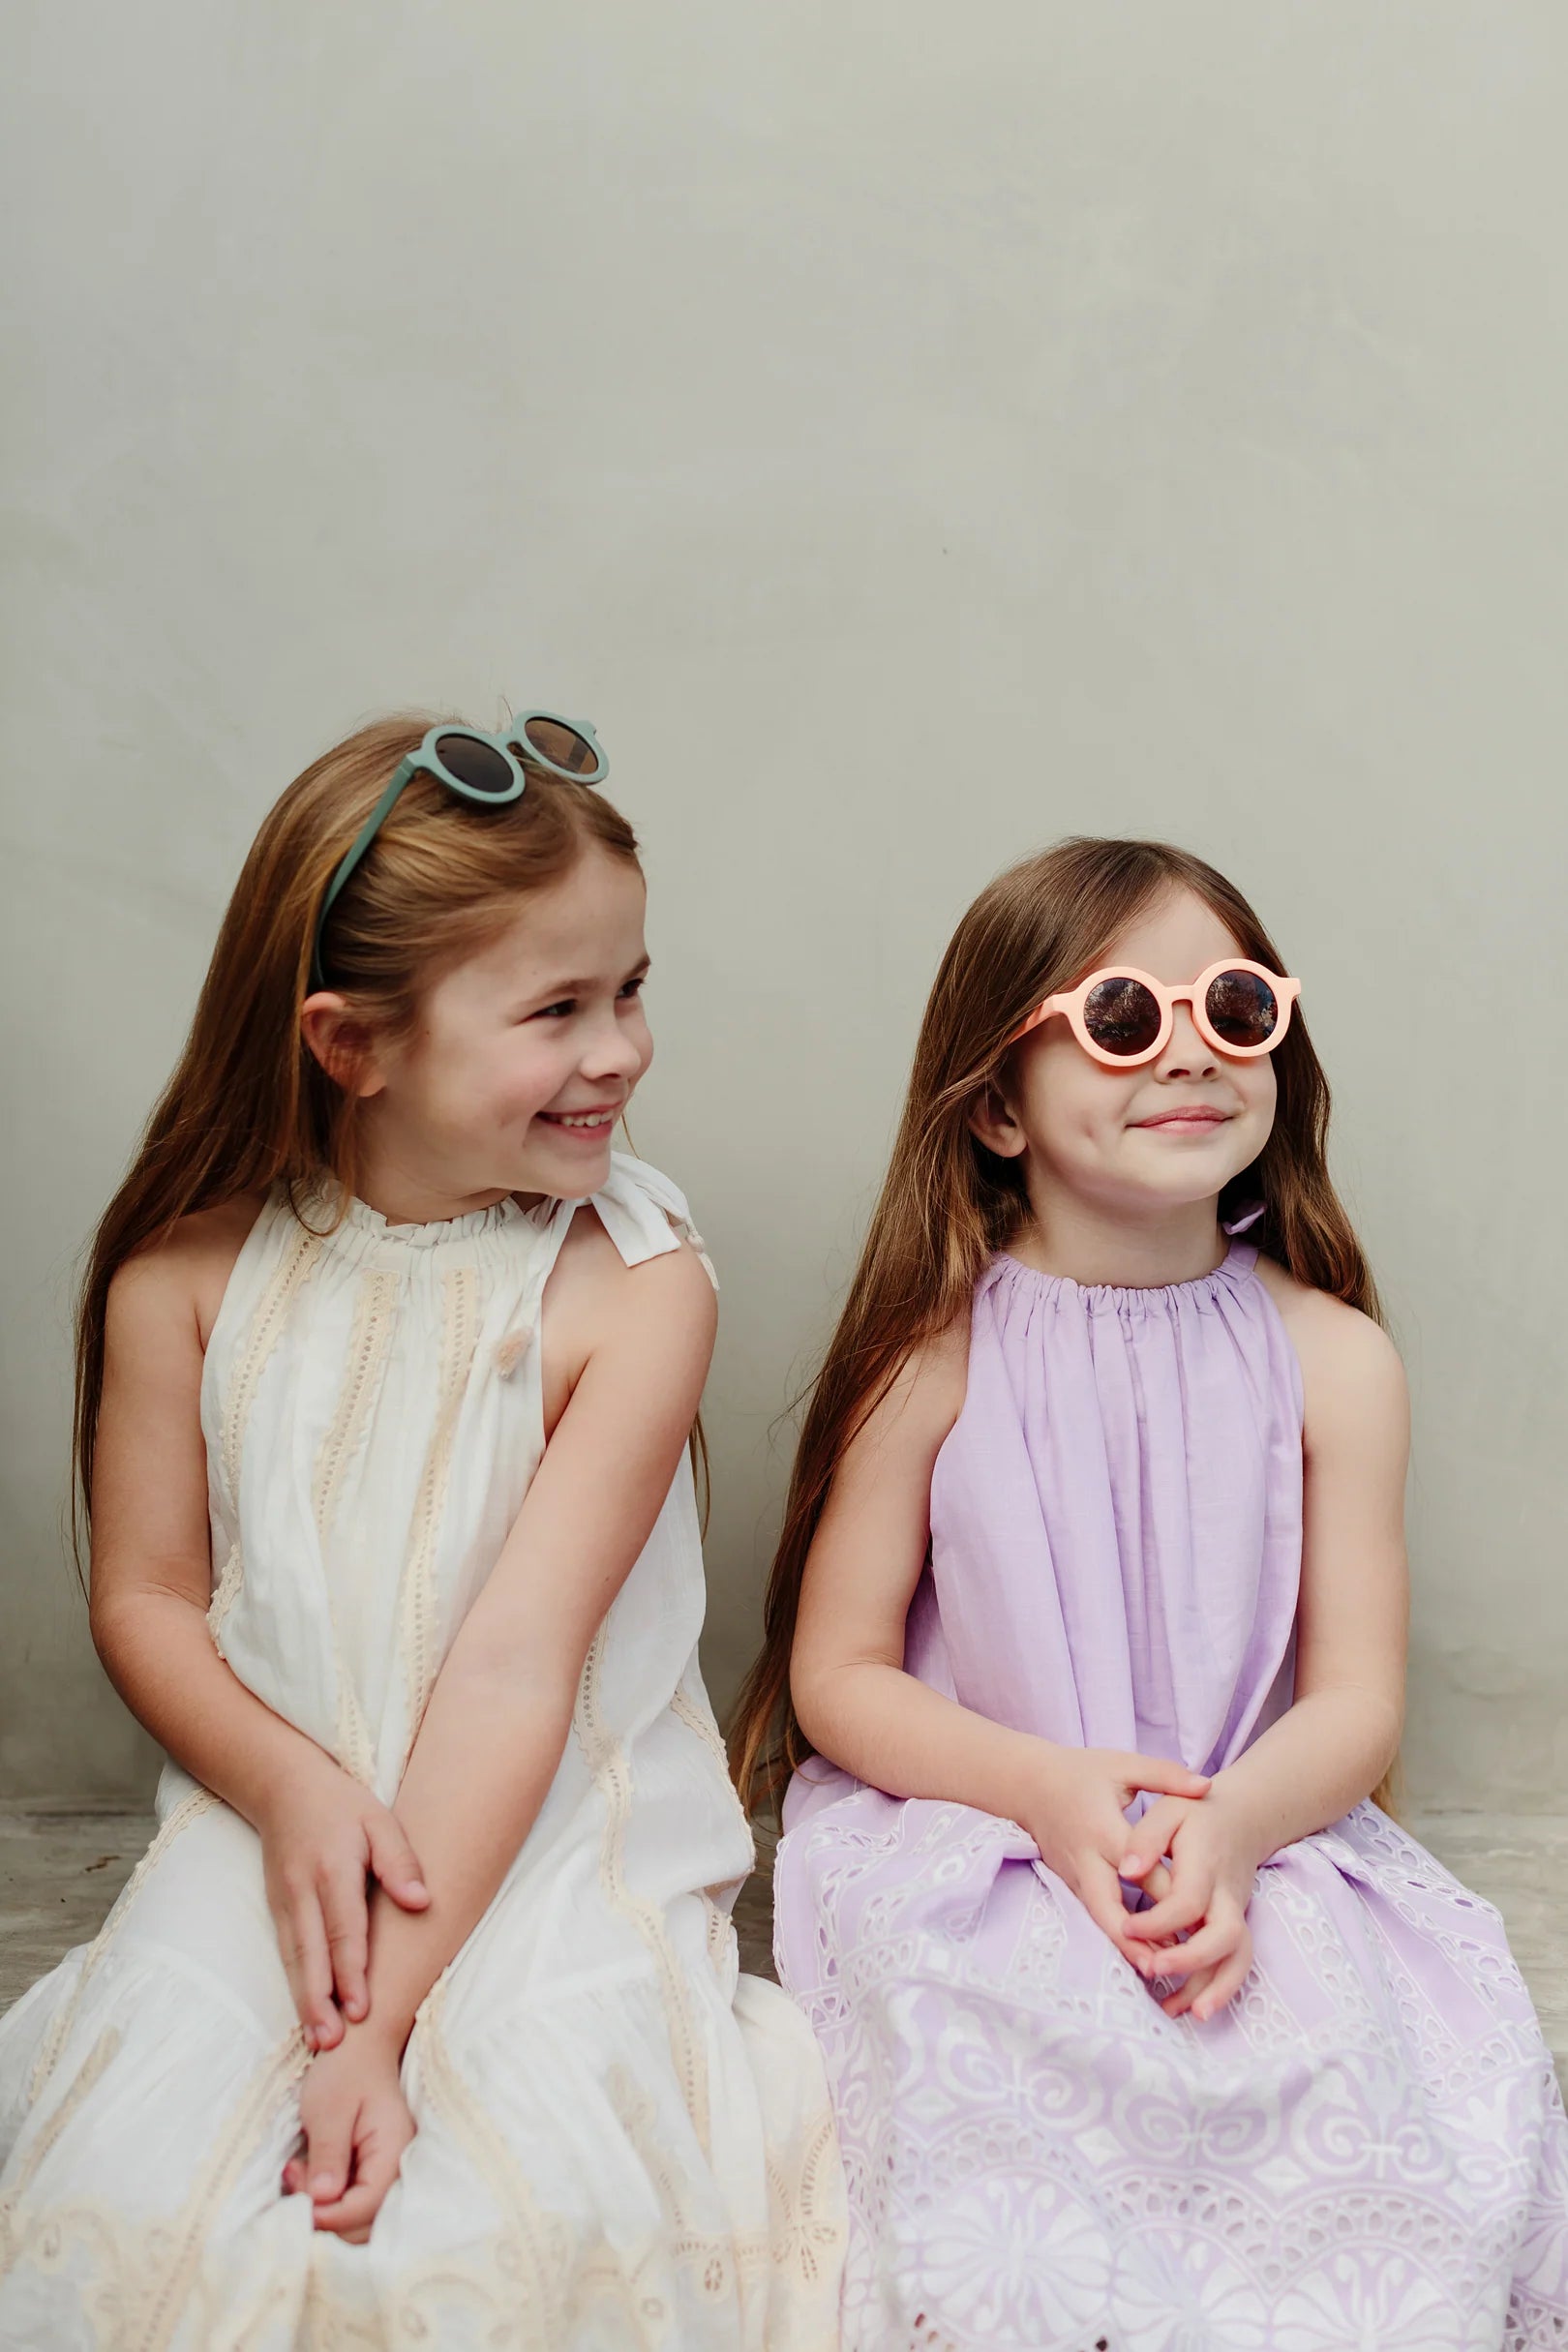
1123, 1017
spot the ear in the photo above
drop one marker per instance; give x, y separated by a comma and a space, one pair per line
991, 1122
342, 1042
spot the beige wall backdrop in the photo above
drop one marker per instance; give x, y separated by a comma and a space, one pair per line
911, 432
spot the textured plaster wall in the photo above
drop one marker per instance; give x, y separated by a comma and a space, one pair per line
911, 432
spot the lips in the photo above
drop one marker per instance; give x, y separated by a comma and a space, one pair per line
1186, 1118
593, 1121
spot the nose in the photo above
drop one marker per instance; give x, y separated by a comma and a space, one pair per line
1187, 1054
612, 1051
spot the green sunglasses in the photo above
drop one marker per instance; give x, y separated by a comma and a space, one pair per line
489, 770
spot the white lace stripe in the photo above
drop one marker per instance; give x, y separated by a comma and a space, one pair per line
91, 2069
540, 2251
266, 1328
370, 1341
610, 1768
190, 1808
416, 1598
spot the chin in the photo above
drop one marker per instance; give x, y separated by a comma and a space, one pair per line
569, 1174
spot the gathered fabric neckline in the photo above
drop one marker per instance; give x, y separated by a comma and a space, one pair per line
1237, 1265
322, 1204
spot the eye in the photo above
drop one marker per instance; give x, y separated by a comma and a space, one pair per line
559, 1012
634, 987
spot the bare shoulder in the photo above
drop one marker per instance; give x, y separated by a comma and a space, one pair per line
662, 1311
924, 1399
592, 1277
167, 1297
1349, 1366
183, 1278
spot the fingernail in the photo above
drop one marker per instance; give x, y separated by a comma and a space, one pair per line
323, 2185
417, 1886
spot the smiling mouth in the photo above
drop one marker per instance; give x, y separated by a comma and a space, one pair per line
582, 1122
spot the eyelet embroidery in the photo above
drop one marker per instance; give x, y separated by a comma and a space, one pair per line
190, 1808
267, 1325
609, 1765
147, 2275
369, 1342
416, 1600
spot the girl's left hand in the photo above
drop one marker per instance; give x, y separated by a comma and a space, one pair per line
1204, 1896
356, 2126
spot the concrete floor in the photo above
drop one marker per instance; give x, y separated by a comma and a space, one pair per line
61, 1866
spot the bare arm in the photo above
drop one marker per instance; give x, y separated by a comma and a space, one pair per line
1339, 1736
859, 1707
1338, 1740
151, 1586
500, 1713
856, 1703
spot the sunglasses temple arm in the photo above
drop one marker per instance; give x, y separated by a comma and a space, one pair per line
366, 835
1034, 1021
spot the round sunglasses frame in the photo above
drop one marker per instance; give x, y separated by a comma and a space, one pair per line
514, 748
1070, 1002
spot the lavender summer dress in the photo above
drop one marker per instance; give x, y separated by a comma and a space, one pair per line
1367, 2146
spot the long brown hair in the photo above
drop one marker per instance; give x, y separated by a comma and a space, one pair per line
947, 1204
247, 1105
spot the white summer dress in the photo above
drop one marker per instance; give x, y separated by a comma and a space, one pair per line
621, 2141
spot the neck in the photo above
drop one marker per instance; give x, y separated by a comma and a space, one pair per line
407, 1190
1100, 1244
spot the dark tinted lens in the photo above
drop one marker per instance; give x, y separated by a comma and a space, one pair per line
1121, 1017
562, 746
1242, 1009
479, 766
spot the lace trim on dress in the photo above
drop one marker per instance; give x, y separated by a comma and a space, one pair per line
717, 1900
143, 2277
267, 1328
698, 1719
610, 1768
190, 1808
416, 1599
369, 1342
540, 2253
92, 2068
535, 2283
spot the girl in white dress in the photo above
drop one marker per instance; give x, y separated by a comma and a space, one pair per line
387, 1370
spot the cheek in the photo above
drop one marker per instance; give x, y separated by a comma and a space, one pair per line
511, 1077
1074, 1102
1259, 1090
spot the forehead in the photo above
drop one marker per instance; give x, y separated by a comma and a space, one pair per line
587, 926
1175, 938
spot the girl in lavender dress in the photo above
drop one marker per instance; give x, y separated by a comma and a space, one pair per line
1147, 2027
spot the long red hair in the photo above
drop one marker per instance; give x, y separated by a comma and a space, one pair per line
247, 1105
947, 1204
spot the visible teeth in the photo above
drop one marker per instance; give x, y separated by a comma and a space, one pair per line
590, 1119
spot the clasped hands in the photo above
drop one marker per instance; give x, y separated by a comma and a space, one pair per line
1193, 1853
323, 1838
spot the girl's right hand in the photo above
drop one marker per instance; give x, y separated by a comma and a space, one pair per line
1075, 1811
321, 1833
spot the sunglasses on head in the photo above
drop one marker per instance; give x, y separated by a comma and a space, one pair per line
1123, 1016
488, 770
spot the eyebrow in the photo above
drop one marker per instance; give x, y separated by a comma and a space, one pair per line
576, 987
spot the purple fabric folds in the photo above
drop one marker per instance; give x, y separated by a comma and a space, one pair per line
1367, 2146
